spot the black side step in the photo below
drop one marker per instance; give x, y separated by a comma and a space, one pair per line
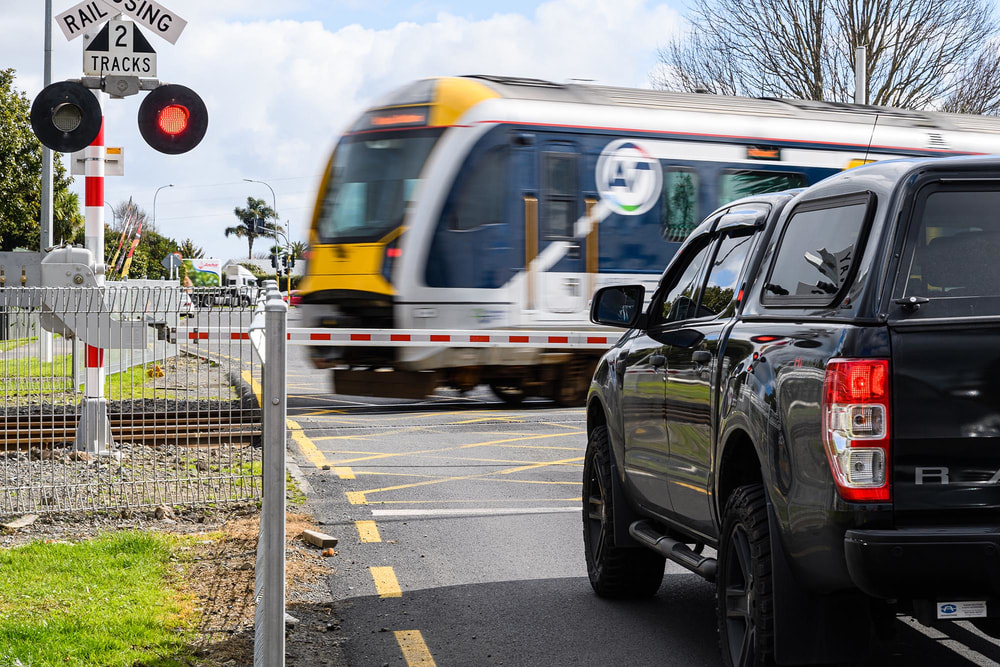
670, 548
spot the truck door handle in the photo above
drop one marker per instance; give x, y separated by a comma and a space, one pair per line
701, 356
657, 360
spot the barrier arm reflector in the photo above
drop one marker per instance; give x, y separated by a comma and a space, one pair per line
593, 340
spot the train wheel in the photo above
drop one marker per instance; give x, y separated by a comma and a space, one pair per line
572, 387
508, 391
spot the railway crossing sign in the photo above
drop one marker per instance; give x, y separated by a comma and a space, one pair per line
76, 20
119, 49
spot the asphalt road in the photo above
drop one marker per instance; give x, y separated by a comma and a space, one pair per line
461, 542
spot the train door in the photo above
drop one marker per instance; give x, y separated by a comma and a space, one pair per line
561, 264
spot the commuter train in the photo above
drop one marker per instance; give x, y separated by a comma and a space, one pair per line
488, 202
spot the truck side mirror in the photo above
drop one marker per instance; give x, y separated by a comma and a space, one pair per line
617, 305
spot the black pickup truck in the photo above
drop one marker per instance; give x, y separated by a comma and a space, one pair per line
807, 412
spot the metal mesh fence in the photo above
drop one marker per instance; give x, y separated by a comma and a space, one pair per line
177, 424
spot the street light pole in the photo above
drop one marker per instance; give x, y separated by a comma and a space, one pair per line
274, 207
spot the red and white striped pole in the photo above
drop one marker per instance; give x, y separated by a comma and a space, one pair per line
94, 431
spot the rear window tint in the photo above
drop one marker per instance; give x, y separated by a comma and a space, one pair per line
816, 253
956, 247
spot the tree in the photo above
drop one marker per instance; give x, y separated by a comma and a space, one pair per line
20, 177
257, 209
299, 248
921, 54
153, 247
190, 250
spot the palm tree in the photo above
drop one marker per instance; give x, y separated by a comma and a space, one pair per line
249, 227
190, 250
299, 248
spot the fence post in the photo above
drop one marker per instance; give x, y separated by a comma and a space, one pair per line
269, 649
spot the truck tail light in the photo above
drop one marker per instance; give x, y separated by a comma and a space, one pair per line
856, 427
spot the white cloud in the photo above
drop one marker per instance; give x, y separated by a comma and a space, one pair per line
278, 91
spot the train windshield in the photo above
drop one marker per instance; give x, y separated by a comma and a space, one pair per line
373, 179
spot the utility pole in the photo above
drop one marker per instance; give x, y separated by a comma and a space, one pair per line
860, 75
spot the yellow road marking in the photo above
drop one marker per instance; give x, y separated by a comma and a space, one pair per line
254, 385
541, 465
386, 583
356, 497
344, 473
465, 477
368, 531
414, 649
321, 413
575, 427
452, 449
305, 445
480, 501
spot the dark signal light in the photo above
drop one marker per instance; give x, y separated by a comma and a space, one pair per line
173, 119
66, 117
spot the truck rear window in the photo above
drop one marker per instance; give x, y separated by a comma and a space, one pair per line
955, 249
816, 252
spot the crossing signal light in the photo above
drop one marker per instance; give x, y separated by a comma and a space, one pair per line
66, 117
173, 119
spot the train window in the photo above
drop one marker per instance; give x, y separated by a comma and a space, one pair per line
559, 194
678, 203
371, 184
479, 197
736, 183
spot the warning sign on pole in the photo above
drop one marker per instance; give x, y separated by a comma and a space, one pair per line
119, 48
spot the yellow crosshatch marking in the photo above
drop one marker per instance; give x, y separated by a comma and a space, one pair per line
470, 446
414, 649
442, 480
344, 473
386, 583
356, 497
368, 531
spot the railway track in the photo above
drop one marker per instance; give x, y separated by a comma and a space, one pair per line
184, 429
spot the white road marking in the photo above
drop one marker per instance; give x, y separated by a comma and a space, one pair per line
473, 511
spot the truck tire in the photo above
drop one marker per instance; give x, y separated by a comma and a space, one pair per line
614, 571
744, 592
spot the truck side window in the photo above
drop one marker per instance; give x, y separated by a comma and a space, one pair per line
816, 252
957, 244
724, 272
678, 301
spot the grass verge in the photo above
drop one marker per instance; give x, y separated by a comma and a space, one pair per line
106, 601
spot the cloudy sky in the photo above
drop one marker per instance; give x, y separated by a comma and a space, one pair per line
282, 80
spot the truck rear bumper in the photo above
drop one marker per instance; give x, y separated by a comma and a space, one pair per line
925, 563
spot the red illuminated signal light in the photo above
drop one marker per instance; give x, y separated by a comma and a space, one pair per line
173, 119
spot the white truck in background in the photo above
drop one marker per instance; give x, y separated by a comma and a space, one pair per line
219, 284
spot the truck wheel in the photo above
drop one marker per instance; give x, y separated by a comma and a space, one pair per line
614, 571
744, 594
